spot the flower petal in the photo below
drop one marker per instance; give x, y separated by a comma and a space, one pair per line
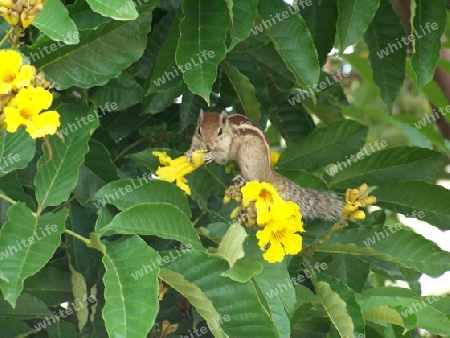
13, 119
274, 253
292, 243
43, 124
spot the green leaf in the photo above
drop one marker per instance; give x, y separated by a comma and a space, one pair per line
62, 328
273, 64
351, 271
85, 260
116, 9
330, 98
393, 244
388, 63
12, 188
54, 21
142, 190
323, 146
164, 76
196, 298
304, 179
98, 160
323, 35
292, 122
231, 246
243, 270
413, 196
50, 285
16, 150
278, 291
55, 180
12, 327
27, 243
201, 46
386, 166
408, 304
244, 315
244, 16
118, 94
158, 219
290, 35
354, 18
428, 25
101, 55
257, 77
245, 91
26, 307
131, 304
340, 303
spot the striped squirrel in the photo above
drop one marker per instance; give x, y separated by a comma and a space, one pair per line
236, 137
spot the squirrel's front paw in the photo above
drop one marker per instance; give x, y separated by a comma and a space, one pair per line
188, 155
208, 157
238, 180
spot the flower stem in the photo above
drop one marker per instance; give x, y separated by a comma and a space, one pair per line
79, 237
6, 36
6, 198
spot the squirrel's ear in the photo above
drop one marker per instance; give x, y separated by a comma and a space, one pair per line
223, 117
201, 114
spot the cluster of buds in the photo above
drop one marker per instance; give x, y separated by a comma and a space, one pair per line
40, 81
233, 192
355, 199
243, 215
20, 13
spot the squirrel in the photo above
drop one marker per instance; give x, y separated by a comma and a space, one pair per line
236, 137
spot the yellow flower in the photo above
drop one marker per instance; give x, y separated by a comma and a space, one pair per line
278, 243
14, 76
24, 109
174, 170
162, 290
265, 196
274, 156
282, 220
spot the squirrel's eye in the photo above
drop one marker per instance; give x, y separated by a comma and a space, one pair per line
219, 132
199, 132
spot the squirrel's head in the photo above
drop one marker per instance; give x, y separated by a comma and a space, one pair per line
211, 129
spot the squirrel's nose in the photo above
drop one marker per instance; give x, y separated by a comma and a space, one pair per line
208, 147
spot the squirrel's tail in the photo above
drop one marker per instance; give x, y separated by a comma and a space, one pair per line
312, 203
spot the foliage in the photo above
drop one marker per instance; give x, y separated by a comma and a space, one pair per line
88, 234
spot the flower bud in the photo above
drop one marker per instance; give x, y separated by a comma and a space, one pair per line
14, 18
6, 3
235, 212
226, 199
370, 200
358, 215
